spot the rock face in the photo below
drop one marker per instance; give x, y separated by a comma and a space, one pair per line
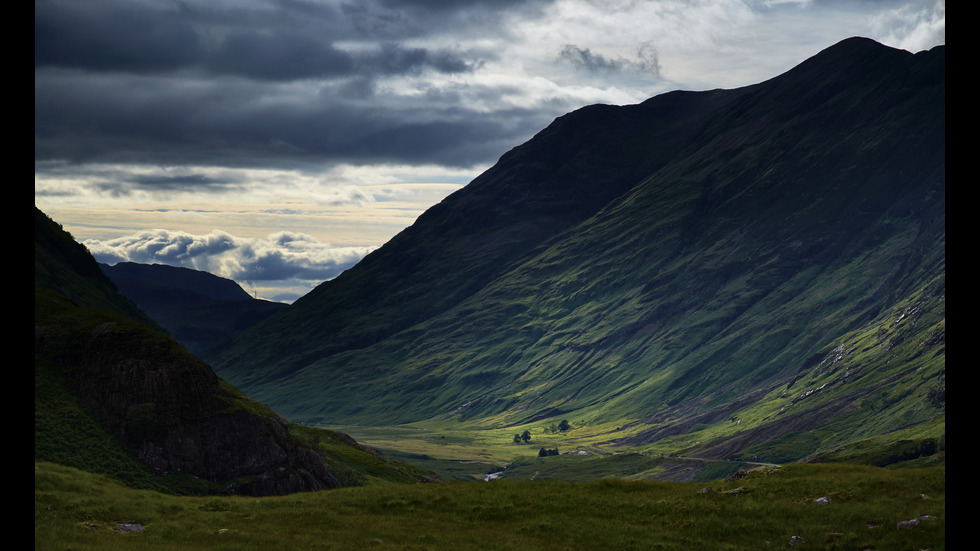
172, 411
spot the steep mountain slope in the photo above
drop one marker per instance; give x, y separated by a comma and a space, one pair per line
64, 265
682, 262
196, 308
116, 396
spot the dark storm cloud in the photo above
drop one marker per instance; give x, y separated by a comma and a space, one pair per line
584, 58
110, 36
256, 85
139, 38
395, 59
647, 60
278, 57
162, 182
177, 182
287, 57
452, 5
412, 18
137, 119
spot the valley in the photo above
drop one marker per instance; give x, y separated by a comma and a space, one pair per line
709, 320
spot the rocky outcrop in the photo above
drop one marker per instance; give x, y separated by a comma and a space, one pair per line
169, 408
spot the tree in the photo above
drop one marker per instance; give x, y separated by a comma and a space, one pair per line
526, 437
564, 426
517, 438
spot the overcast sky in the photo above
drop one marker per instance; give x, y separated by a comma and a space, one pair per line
277, 142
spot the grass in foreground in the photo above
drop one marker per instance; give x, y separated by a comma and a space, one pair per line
78, 510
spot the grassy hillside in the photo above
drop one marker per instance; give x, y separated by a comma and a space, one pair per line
78, 510
64, 265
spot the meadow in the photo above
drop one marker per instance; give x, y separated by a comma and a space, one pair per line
78, 510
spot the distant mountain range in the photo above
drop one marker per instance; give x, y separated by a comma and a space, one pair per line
196, 308
751, 271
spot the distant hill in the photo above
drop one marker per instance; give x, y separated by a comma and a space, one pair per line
752, 272
156, 284
196, 308
114, 395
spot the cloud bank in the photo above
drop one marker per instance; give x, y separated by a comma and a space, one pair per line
284, 256
261, 84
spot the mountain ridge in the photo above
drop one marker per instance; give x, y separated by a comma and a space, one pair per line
685, 252
197, 308
204, 284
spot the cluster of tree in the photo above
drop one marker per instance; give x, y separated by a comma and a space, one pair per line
563, 426
545, 453
525, 437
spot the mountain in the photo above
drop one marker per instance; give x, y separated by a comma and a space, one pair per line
156, 284
115, 395
196, 308
743, 268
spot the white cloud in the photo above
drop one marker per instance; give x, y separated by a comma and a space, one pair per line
912, 27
